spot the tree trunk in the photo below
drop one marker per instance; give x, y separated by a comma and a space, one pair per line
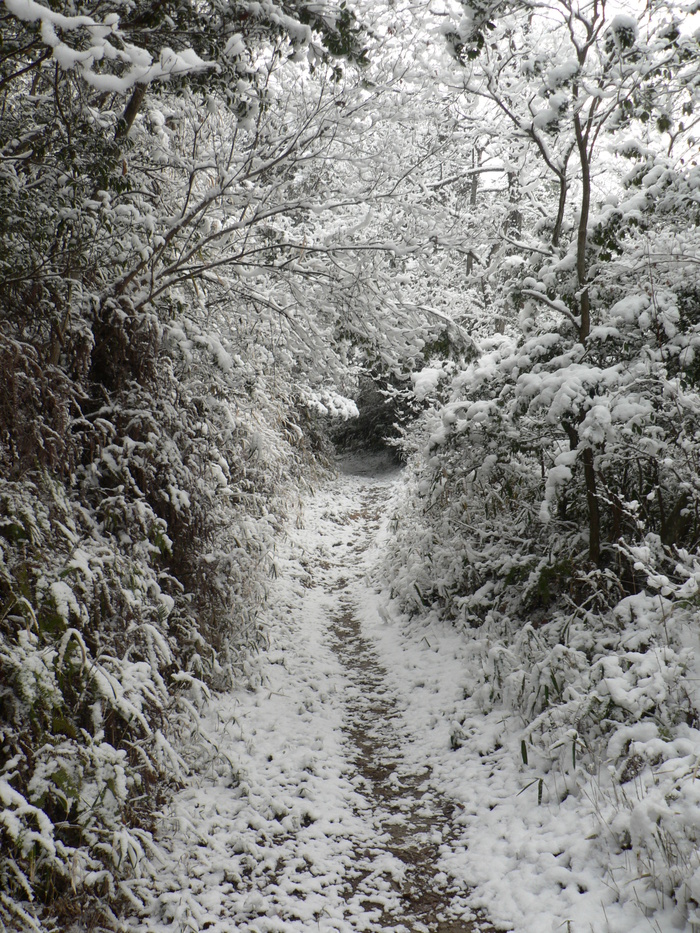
582, 236
563, 188
476, 161
584, 331
593, 508
591, 494
126, 121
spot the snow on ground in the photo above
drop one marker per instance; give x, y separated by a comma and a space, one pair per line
327, 793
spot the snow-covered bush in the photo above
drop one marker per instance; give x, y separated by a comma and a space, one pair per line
139, 569
83, 660
155, 415
598, 686
551, 510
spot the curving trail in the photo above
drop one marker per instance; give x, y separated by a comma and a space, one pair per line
310, 808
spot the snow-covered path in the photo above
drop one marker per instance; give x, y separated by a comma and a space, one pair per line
313, 809
360, 779
412, 821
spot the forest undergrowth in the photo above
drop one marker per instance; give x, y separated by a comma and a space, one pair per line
602, 688
224, 227
130, 587
149, 449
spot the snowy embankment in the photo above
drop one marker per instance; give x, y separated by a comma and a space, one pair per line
359, 782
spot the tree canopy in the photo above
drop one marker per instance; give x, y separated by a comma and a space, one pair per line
224, 225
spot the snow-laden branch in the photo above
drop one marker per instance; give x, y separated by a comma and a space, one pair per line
141, 68
554, 304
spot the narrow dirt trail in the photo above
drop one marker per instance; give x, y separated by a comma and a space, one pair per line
311, 805
358, 778
412, 819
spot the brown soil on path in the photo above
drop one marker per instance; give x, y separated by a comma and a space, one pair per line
413, 821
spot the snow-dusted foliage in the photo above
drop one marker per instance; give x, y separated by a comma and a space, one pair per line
553, 508
160, 370
216, 220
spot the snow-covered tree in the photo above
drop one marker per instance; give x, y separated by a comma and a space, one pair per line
574, 93
552, 513
151, 423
